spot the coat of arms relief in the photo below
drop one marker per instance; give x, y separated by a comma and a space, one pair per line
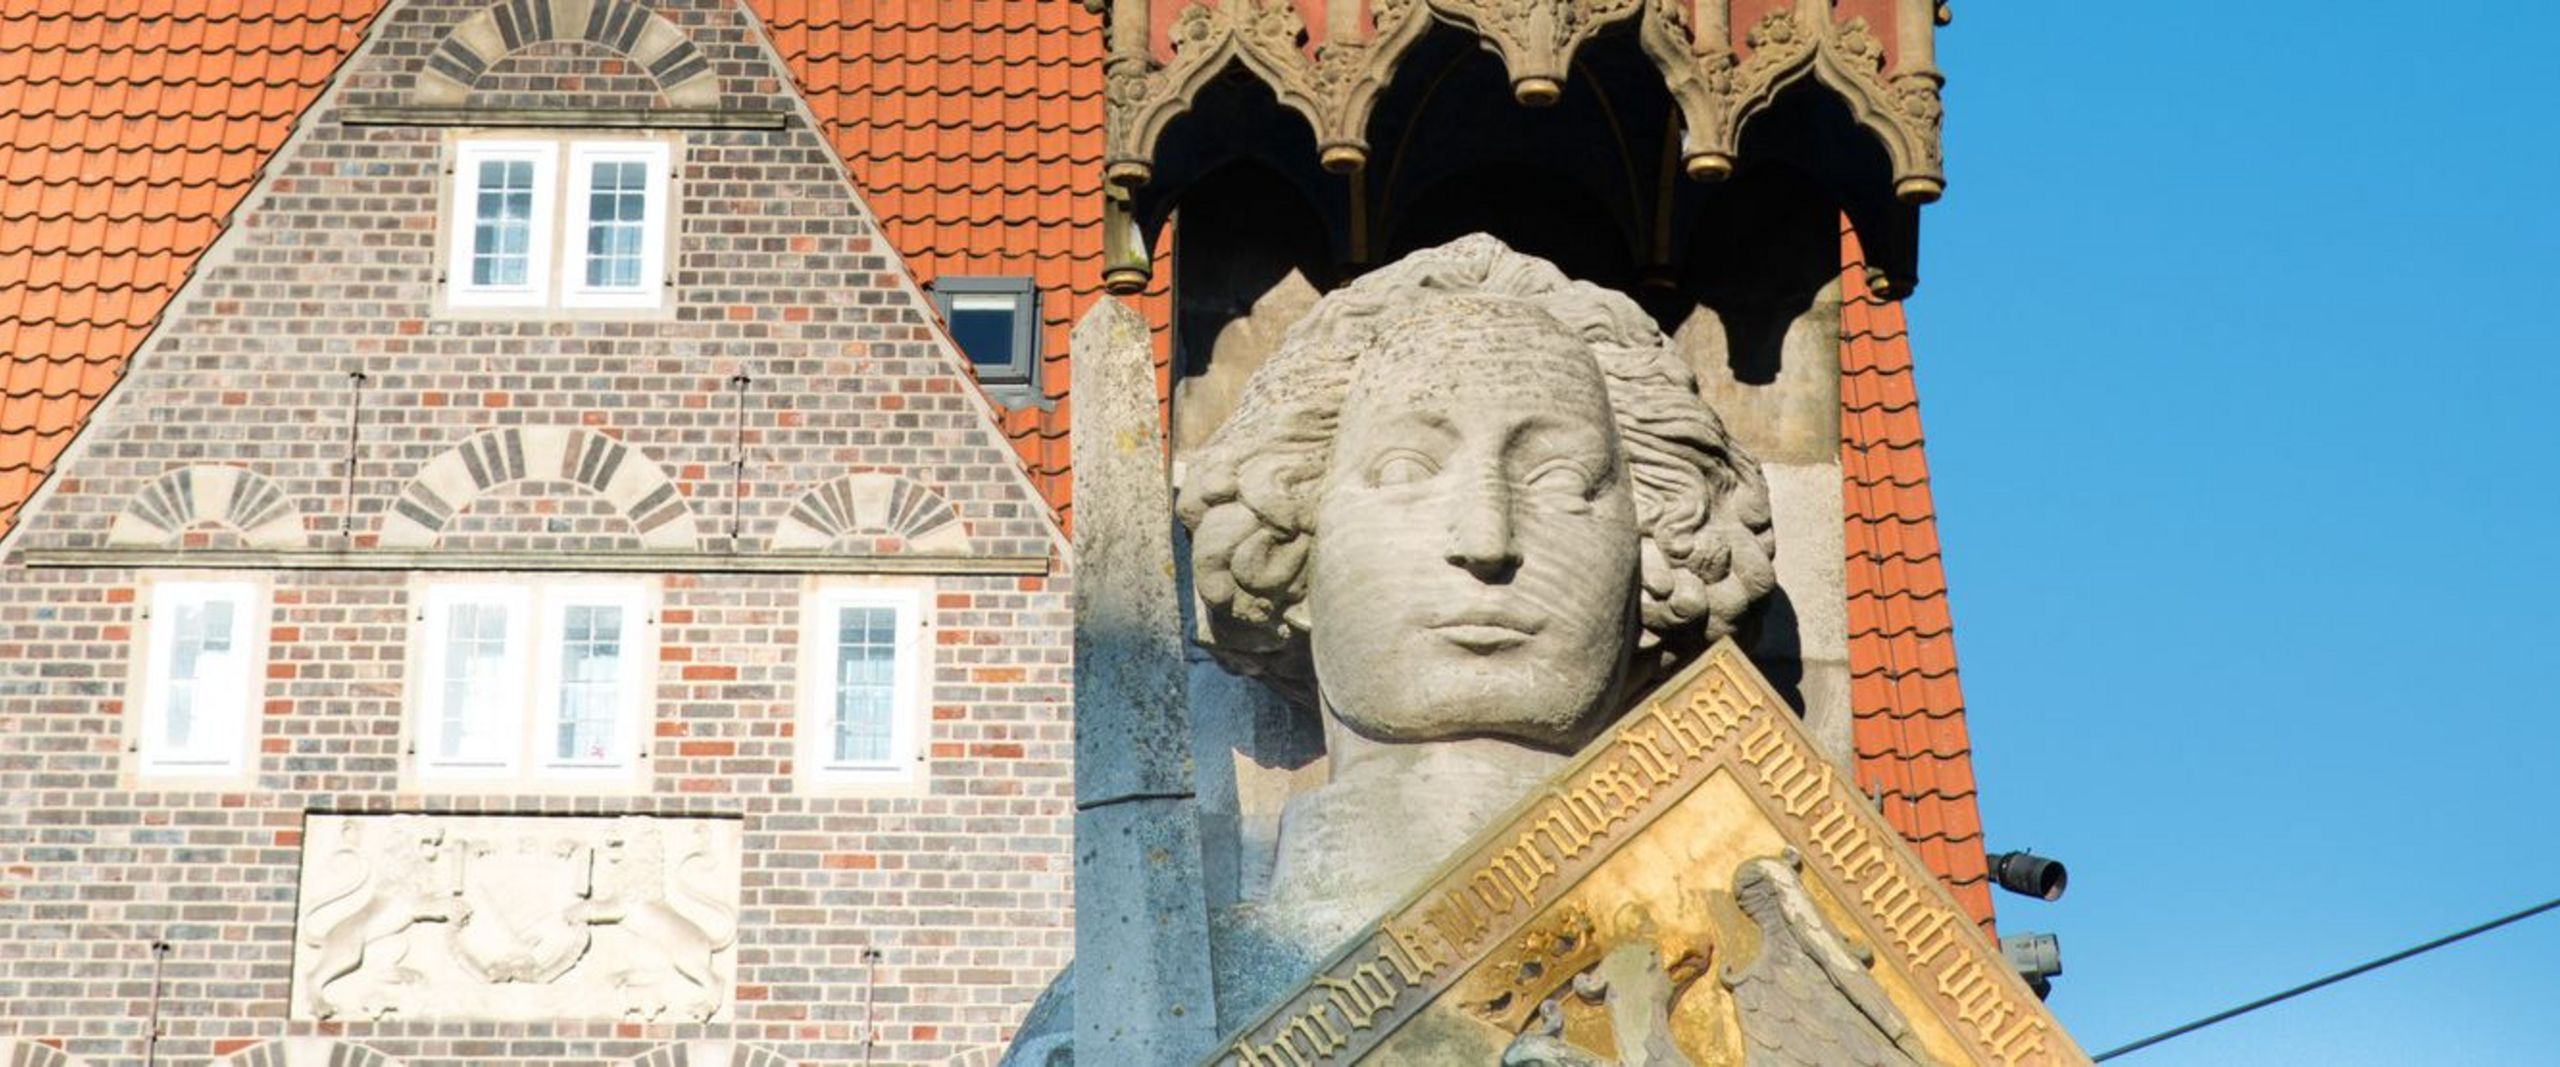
517, 917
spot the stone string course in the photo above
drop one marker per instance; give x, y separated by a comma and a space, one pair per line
780, 274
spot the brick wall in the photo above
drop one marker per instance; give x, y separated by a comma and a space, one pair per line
331, 268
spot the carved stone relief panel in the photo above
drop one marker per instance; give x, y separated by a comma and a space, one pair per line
517, 918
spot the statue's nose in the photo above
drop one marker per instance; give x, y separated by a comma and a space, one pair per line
1480, 535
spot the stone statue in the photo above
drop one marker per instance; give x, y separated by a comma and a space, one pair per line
1467, 511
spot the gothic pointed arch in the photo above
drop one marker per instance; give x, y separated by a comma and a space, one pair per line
1335, 83
305, 1052
234, 498
476, 44
709, 1054
637, 488
871, 503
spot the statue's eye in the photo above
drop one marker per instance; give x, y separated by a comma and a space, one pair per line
1401, 468
1564, 478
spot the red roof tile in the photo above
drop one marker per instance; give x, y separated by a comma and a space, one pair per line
975, 133
126, 140
1907, 710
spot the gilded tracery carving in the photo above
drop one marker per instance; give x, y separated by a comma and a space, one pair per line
1335, 83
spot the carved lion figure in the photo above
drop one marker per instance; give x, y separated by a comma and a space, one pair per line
631, 879
411, 881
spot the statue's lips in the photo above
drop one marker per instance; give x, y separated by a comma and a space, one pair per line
1485, 632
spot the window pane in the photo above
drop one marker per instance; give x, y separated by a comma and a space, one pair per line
474, 687
617, 214
590, 683
984, 325
502, 239
203, 661
866, 683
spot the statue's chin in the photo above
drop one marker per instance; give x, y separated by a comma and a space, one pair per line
1561, 726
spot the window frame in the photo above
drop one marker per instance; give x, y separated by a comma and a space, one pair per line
234, 761
904, 771
634, 674
463, 215
656, 157
556, 253
538, 608
1018, 380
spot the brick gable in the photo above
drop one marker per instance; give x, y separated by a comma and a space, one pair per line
546, 440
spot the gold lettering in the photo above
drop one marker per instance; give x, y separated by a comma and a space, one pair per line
1622, 793
1757, 744
1930, 935
1248, 1056
1489, 890
1314, 1030
1522, 867
1683, 729
1280, 1053
1351, 999
1868, 860
1959, 982
2023, 1038
1723, 706
1411, 957
1564, 832
1456, 923
1836, 834
1586, 811
1645, 748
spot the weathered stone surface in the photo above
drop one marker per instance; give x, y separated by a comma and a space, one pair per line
1141, 923
1526, 513
1140, 935
1803, 639
516, 918
1133, 735
1697, 886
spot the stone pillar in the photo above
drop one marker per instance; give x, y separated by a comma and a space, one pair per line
1785, 406
1143, 995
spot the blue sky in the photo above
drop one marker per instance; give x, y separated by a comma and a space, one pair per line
2237, 342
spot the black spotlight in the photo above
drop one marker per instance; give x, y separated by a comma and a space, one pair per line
2029, 874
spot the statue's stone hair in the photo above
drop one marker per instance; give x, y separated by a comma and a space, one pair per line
1249, 494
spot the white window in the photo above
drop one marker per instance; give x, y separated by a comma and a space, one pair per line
199, 681
543, 685
502, 223
528, 232
862, 674
617, 224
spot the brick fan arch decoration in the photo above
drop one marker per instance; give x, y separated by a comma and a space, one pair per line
709, 1054
477, 43
20, 1052
305, 1052
871, 502
621, 474
236, 498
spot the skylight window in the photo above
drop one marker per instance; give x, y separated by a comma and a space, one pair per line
996, 323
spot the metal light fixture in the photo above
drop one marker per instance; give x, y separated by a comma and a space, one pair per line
2029, 874
2037, 957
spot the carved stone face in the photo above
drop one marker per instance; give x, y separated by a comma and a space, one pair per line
1474, 572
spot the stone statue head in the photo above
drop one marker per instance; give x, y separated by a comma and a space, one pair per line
1469, 497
